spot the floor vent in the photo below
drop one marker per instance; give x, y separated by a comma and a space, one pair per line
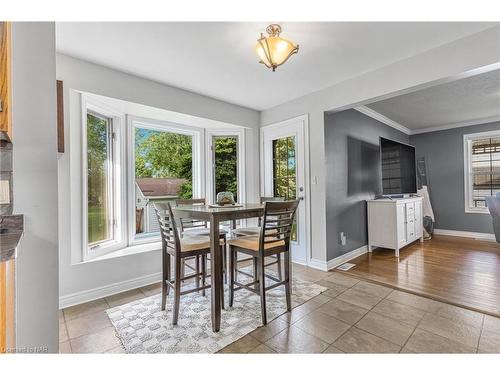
345, 266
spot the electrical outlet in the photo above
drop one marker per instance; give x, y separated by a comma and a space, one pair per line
343, 238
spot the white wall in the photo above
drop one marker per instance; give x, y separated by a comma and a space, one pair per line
89, 280
35, 183
449, 60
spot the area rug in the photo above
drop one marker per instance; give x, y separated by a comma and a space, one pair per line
143, 328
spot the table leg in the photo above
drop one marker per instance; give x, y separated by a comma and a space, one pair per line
216, 270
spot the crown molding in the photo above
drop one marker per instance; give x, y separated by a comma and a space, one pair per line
396, 125
484, 120
383, 119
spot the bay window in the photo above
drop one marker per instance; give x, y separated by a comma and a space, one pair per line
129, 163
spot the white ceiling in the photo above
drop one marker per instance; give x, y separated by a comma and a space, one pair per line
218, 59
468, 100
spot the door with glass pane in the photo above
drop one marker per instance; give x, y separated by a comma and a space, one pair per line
283, 156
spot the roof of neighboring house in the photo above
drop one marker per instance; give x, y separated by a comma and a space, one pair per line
160, 187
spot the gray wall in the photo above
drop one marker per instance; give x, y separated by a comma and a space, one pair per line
444, 157
352, 175
35, 183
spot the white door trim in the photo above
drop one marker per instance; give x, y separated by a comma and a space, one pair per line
307, 183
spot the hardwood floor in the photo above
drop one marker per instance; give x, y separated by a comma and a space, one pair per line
456, 270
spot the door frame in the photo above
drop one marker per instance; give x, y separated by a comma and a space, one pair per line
307, 183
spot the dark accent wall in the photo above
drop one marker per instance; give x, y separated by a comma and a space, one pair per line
352, 175
444, 156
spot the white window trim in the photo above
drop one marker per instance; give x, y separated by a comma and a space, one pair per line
468, 138
119, 240
198, 179
209, 166
79, 103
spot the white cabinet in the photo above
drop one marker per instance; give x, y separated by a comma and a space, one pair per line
394, 223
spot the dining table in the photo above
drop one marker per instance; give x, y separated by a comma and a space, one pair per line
215, 215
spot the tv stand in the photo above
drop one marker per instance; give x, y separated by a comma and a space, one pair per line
394, 222
384, 197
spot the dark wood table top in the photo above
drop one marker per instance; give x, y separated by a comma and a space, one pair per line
228, 212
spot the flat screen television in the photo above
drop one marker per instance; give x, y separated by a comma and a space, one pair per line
398, 168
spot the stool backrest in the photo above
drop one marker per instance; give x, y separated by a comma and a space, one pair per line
168, 228
269, 199
277, 223
191, 223
179, 202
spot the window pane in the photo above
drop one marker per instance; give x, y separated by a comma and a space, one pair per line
284, 167
98, 179
284, 174
485, 167
226, 165
163, 173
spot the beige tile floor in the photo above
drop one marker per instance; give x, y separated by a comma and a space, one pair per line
352, 316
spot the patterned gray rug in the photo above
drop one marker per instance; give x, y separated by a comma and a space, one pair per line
143, 328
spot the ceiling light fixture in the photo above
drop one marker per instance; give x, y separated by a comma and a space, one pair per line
274, 50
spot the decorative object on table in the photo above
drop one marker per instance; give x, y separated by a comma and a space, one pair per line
142, 327
225, 198
5, 174
274, 50
225, 205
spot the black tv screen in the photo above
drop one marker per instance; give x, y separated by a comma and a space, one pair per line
398, 167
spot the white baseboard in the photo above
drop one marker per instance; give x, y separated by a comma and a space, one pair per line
299, 261
459, 233
107, 290
326, 266
318, 264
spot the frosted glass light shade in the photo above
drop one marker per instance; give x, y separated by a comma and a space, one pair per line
274, 50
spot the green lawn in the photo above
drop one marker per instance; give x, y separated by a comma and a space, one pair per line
97, 224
